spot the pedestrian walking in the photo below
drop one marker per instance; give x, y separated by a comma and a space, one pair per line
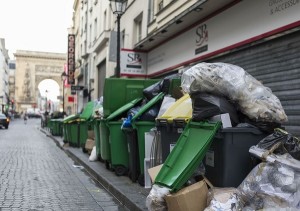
25, 118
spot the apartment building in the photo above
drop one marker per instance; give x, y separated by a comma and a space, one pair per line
4, 75
162, 37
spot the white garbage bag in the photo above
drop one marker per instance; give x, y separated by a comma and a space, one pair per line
254, 99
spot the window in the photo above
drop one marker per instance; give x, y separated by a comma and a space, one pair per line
104, 21
90, 33
138, 28
12, 66
95, 29
86, 72
151, 11
160, 5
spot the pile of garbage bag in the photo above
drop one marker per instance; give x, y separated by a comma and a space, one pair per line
220, 88
253, 98
274, 183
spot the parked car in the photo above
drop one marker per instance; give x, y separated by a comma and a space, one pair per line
4, 121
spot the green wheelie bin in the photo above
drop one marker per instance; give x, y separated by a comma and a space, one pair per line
77, 126
72, 130
117, 138
66, 127
96, 128
120, 91
56, 127
104, 143
141, 127
187, 154
85, 124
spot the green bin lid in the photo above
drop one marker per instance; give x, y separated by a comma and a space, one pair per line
87, 111
123, 109
70, 118
148, 105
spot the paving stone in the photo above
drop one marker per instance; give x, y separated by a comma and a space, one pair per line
36, 175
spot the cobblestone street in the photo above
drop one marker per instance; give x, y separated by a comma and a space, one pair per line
35, 174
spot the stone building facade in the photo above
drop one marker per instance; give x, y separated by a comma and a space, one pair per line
31, 69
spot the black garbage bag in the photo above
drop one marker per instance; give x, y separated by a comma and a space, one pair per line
150, 114
151, 91
267, 127
161, 86
207, 105
286, 141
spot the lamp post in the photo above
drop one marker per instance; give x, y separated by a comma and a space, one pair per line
63, 78
46, 91
118, 8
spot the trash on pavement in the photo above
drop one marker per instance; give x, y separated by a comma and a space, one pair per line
155, 201
223, 199
281, 142
78, 166
271, 185
191, 198
89, 144
93, 156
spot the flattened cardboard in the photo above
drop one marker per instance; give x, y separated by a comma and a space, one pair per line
154, 171
89, 144
191, 198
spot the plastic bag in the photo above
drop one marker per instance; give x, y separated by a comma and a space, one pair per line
161, 86
286, 143
266, 155
208, 105
166, 103
153, 90
127, 122
254, 100
93, 156
271, 185
150, 114
155, 200
223, 199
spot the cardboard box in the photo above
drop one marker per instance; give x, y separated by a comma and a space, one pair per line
191, 198
89, 144
91, 134
154, 171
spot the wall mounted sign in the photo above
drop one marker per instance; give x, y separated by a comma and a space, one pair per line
71, 58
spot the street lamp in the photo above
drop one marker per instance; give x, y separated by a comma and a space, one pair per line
46, 91
118, 7
64, 77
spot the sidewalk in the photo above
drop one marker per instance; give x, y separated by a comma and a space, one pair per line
131, 195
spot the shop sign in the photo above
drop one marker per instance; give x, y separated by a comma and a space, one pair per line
133, 63
71, 58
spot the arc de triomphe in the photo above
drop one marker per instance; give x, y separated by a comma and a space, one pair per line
31, 68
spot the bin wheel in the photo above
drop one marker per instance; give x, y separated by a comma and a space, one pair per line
84, 150
120, 170
141, 180
100, 159
107, 165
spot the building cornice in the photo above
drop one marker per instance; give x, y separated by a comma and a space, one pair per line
41, 55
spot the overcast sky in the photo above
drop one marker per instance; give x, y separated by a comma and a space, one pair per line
35, 25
